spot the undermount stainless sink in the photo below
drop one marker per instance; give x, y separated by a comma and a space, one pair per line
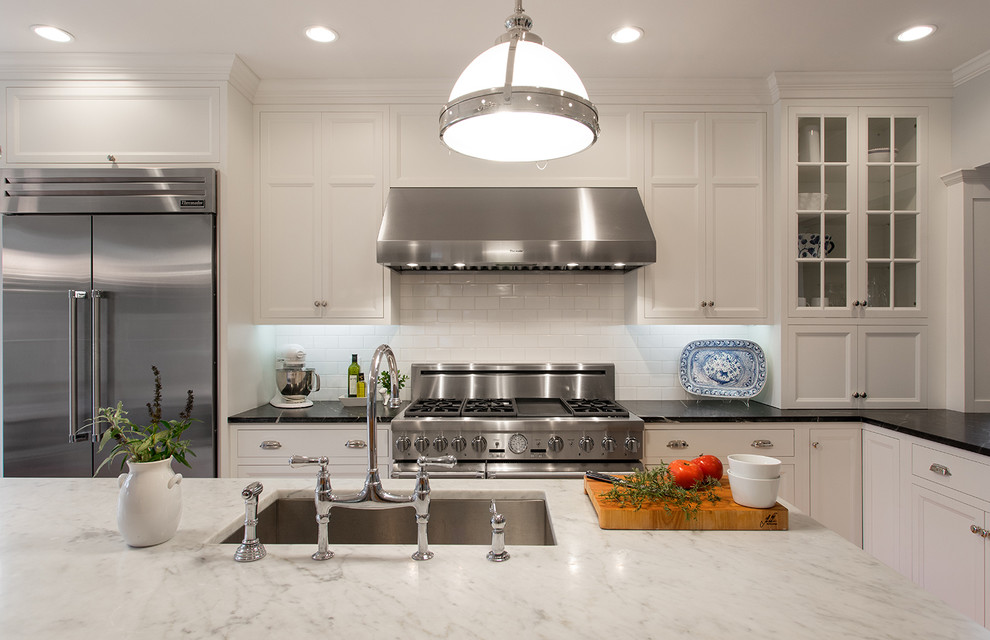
452, 521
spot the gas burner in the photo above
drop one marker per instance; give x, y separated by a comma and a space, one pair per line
485, 407
426, 407
596, 407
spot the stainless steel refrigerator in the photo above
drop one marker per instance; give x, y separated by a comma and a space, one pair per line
105, 273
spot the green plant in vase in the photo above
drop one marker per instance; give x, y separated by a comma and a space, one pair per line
158, 440
385, 381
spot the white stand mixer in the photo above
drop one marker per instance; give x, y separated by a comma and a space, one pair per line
292, 379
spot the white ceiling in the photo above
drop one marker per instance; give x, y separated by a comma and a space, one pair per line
409, 39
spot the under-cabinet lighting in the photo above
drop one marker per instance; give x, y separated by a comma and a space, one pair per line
321, 34
916, 33
625, 35
459, 265
52, 33
619, 264
572, 264
412, 264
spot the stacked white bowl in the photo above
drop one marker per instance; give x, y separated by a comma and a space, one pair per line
754, 480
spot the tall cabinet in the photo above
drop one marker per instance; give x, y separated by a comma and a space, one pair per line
705, 178
854, 305
320, 206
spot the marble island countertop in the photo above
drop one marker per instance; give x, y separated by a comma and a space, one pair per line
65, 571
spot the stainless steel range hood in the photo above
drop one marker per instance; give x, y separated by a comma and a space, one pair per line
463, 228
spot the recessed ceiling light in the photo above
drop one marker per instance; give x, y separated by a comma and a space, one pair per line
320, 34
916, 33
625, 35
52, 33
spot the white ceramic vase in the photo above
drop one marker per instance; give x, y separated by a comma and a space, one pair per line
150, 504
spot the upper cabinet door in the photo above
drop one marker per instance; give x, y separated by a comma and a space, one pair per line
705, 195
107, 125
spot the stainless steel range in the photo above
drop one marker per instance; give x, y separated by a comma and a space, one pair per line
516, 421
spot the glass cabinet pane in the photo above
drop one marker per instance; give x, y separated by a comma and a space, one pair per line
835, 284
878, 284
809, 284
878, 139
878, 235
834, 140
836, 244
835, 187
905, 236
906, 139
905, 188
878, 188
905, 284
810, 139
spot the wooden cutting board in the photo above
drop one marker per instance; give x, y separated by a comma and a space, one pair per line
722, 515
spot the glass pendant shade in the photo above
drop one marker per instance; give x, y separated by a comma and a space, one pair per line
542, 114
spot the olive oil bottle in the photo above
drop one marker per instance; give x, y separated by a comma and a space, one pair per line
361, 389
352, 377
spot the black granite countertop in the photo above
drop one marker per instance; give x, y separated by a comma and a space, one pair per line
968, 431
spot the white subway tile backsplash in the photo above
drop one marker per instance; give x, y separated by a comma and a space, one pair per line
513, 317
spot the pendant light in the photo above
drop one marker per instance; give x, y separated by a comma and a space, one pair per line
519, 102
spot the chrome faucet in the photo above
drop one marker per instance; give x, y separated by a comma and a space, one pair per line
372, 495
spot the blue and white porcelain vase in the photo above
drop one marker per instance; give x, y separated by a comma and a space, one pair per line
150, 504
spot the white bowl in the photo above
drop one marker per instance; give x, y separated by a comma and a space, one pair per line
759, 493
750, 465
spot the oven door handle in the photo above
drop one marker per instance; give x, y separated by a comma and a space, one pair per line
556, 475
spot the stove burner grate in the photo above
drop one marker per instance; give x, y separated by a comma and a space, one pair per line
426, 407
596, 407
485, 407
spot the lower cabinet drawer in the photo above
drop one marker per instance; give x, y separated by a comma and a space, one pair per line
670, 444
270, 444
285, 471
955, 472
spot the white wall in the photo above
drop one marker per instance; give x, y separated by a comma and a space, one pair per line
971, 123
514, 317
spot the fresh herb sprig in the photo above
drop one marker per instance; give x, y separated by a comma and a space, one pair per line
656, 486
158, 440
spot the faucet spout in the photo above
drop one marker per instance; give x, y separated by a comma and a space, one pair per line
383, 351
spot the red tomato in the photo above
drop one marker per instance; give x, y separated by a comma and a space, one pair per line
685, 474
710, 465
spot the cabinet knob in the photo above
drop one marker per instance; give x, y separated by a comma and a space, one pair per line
316, 303
270, 444
323, 303
703, 304
677, 444
762, 444
940, 469
856, 395
711, 303
356, 444
111, 158
856, 303
862, 395
863, 303
980, 531
815, 444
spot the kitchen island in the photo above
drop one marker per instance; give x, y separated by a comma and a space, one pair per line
65, 571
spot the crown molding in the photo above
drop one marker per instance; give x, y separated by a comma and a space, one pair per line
859, 84
971, 69
436, 91
980, 175
131, 67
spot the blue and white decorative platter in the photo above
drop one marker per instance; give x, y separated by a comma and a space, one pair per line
723, 368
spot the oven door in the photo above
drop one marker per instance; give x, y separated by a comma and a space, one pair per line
557, 470
408, 469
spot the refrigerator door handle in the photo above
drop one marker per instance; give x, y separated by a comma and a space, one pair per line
96, 294
74, 435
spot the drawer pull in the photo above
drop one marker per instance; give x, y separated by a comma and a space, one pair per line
940, 469
677, 444
980, 531
356, 444
762, 444
271, 444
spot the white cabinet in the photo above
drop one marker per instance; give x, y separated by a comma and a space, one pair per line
836, 481
54, 125
321, 202
856, 212
949, 560
882, 530
263, 450
845, 365
706, 198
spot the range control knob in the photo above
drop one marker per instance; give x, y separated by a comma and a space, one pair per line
479, 444
402, 443
458, 444
440, 443
608, 443
555, 443
632, 444
422, 444
587, 443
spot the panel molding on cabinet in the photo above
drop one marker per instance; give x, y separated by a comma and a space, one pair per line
836, 481
705, 181
882, 499
131, 125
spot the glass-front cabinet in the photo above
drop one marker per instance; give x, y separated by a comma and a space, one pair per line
855, 206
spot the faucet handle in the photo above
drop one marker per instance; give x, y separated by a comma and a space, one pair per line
442, 461
304, 461
252, 491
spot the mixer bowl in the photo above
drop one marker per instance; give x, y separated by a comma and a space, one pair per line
296, 384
